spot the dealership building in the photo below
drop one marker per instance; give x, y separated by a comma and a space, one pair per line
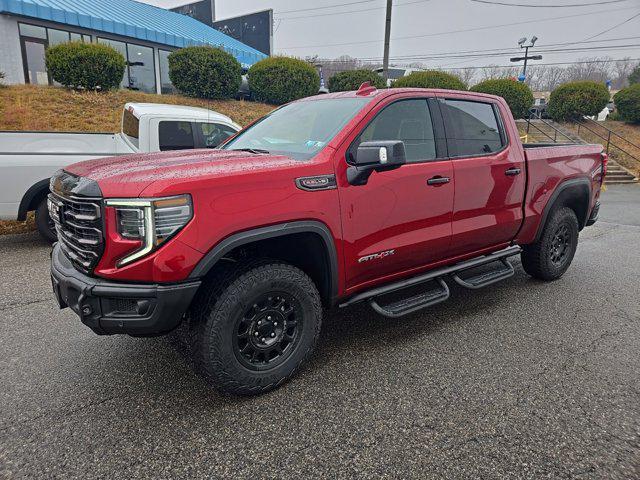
144, 34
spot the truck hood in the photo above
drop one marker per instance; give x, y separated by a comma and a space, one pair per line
129, 175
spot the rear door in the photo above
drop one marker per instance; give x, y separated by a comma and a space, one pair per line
489, 172
398, 222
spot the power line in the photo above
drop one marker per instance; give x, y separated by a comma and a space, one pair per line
615, 26
352, 11
528, 5
473, 29
322, 8
549, 64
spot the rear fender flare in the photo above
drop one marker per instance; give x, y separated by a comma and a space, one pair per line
34, 192
575, 187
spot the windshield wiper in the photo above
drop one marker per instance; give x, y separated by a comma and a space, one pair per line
250, 150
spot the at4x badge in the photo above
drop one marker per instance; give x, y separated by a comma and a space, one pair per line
376, 256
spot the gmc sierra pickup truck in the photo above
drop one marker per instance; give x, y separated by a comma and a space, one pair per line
377, 196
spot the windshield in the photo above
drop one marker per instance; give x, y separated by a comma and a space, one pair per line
299, 130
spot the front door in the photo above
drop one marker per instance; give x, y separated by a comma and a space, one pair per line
489, 172
399, 221
35, 69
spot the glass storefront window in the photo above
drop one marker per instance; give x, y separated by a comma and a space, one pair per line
33, 31
142, 72
122, 48
76, 37
57, 36
165, 82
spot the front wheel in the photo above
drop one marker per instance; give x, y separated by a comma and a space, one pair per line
551, 255
44, 223
253, 332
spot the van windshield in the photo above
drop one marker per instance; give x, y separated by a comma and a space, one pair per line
299, 130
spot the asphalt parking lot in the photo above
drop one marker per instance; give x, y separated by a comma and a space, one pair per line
519, 380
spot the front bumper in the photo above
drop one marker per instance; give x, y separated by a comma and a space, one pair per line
110, 307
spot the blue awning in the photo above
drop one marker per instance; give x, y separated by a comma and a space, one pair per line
132, 19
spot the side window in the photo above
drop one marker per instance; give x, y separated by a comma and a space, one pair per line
214, 134
175, 136
406, 120
472, 128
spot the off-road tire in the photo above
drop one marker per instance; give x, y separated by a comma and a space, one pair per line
540, 259
44, 223
212, 324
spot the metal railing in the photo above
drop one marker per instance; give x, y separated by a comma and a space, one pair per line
537, 116
607, 136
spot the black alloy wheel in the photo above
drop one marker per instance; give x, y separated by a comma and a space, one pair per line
268, 332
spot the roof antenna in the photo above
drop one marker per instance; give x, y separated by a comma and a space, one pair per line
365, 89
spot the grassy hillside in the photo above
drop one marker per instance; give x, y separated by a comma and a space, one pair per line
29, 107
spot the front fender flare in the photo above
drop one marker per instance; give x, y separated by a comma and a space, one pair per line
272, 231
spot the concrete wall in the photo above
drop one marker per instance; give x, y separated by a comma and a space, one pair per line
10, 53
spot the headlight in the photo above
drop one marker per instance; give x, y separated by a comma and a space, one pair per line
151, 221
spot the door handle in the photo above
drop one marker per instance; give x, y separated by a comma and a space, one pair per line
510, 172
438, 180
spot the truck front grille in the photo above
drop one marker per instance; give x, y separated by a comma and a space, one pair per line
78, 223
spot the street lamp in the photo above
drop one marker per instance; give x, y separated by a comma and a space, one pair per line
523, 44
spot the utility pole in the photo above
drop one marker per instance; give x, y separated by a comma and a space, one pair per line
387, 38
526, 57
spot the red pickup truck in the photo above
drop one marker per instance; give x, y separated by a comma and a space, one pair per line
378, 196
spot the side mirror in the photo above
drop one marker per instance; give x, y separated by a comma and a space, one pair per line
376, 156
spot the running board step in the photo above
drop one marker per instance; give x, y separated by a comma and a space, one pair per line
412, 304
502, 272
436, 274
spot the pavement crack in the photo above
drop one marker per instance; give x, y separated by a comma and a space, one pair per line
13, 305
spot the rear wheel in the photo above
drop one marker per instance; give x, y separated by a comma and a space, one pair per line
551, 256
44, 223
253, 331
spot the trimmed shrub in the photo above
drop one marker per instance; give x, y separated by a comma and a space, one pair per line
430, 79
205, 72
280, 80
635, 76
517, 95
627, 103
352, 79
90, 66
574, 100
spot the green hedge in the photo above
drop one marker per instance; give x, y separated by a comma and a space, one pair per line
90, 66
627, 103
352, 79
635, 75
430, 79
574, 100
205, 72
517, 95
280, 80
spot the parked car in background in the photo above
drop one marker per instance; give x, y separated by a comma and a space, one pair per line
539, 108
395, 73
375, 196
28, 159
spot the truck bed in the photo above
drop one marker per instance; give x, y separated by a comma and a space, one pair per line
68, 143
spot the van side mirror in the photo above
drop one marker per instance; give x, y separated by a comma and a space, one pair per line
376, 156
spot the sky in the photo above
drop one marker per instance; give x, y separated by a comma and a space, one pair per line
459, 33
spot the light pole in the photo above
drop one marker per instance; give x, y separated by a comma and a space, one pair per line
523, 44
387, 37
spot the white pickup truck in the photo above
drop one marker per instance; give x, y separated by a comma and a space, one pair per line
28, 159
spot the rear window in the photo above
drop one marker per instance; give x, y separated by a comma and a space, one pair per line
175, 136
472, 128
131, 127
